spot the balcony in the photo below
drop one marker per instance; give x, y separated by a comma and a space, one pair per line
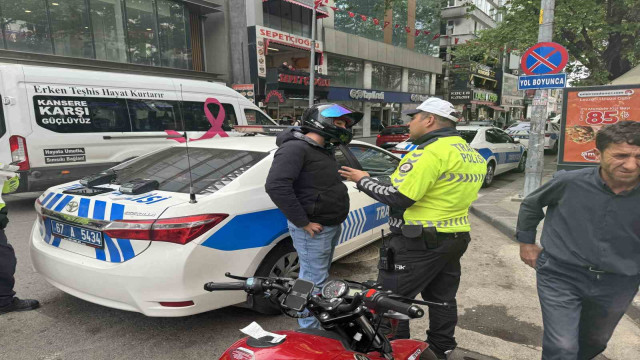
461, 11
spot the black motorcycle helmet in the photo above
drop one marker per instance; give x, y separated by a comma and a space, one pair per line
319, 119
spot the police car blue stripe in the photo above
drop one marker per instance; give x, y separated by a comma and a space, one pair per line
114, 254
127, 249
98, 213
56, 241
53, 201
46, 198
83, 210
63, 203
47, 229
98, 210
264, 227
117, 213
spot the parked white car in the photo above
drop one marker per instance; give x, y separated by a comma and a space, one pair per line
520, 131
501, 152
152, 250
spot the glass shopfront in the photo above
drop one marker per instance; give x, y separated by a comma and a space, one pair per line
345, 72
385, 77
146, 32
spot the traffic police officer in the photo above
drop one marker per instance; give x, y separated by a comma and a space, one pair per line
429, 195
8, 302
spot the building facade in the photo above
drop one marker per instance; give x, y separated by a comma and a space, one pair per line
160, 37
360, 63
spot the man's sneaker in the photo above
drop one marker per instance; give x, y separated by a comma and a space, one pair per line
19, 305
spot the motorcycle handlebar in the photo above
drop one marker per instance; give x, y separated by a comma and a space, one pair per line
236, 285
379, 301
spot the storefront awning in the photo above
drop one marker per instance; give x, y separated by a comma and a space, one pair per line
497, 108
514, 106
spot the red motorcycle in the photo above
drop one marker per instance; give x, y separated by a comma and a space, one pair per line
349, 312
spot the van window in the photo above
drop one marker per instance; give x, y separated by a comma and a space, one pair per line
64, 114
153, 115
3, 127
196, 120
255, 117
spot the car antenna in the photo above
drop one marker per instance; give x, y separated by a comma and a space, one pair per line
192, 194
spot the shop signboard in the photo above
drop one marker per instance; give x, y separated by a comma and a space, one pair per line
511, 96
460, 96
350, 94
482, 70
246, 90
275, 96
266, 35
278, 79
485, 96
585, 112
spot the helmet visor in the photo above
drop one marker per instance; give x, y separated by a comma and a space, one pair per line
342, 112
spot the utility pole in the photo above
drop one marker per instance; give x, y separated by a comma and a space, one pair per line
448, 67
312, 61
535, 153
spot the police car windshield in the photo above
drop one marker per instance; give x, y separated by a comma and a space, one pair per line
468, 135
211, 169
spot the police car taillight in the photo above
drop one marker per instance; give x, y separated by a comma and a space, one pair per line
398, 151
19, 154
179, 230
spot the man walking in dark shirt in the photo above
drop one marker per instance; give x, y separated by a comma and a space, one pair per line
588, 269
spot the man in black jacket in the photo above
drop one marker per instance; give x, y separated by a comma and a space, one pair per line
305, 185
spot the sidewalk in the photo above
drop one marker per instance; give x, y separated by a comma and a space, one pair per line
499, 207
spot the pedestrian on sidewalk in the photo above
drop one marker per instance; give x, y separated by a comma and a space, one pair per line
8, 301
429, 195
305, 185
588, 269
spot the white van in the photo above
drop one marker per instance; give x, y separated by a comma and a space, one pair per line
61, 124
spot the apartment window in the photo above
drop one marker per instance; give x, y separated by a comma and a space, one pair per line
148, 32
419, 82
452, 3
345, 72
288, 17
386, 77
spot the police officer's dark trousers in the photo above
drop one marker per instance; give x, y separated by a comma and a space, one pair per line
435, 274
7, 269
580, 307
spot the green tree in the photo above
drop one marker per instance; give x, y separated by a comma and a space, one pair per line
601, 36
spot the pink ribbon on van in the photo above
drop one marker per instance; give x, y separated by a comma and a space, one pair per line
215, 121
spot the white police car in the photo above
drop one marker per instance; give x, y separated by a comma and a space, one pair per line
151, 250
501, 151
521, 130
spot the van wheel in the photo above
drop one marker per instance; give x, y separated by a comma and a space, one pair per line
491, 171
281, 261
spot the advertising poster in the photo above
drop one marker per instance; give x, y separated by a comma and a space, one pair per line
586, 111
246, 90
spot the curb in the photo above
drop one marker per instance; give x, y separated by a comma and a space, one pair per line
500, 223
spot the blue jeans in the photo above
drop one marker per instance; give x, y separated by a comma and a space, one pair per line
580, 308
314, 254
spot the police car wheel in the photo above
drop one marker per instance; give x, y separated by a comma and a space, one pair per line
281, 261
488, 178
522, 165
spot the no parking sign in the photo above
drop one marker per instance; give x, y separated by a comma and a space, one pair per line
543, 63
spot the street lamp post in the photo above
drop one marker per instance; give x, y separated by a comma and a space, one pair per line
312, 60
445, 84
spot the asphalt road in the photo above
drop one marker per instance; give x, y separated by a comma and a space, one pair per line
499, 313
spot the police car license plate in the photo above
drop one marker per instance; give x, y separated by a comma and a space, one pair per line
77, 233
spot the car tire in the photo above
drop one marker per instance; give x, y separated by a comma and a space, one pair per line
491, 172
522, 165
281, 261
